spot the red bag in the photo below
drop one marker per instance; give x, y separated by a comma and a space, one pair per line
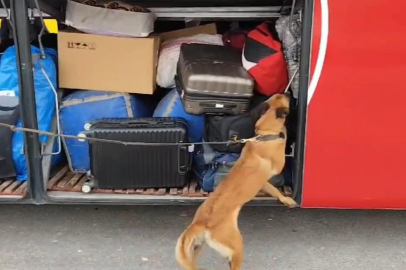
263, 58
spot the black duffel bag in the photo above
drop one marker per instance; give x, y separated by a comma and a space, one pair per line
222, 128
226, 128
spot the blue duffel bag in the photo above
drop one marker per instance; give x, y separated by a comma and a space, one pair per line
45, 74
210, 167
82, 107
171, 106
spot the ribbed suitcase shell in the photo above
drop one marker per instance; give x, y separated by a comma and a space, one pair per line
198, 105
9, 114
116, 166
215, 71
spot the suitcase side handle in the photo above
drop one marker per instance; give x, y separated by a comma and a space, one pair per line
184, 160
218, 105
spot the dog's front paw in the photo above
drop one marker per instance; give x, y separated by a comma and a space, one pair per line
288, 202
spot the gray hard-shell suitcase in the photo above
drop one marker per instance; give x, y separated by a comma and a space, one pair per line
211, 79
208, 105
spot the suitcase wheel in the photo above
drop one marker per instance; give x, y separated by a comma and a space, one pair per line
88, 186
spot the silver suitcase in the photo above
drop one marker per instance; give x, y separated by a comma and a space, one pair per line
211, 79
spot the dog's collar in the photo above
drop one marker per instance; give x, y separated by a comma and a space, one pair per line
265, 138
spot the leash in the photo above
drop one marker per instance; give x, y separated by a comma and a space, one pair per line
258, 138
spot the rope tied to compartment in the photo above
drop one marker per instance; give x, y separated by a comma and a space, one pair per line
258, 138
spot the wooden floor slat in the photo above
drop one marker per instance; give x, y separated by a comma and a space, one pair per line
5, 185
57, 177
79, 184
186, 189
61, 184
12, 187
149, 191
192, 188
74, 180
67, 181
21, 189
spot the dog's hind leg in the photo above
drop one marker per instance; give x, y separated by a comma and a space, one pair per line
229, 244
236, 258
226, 239
196, 252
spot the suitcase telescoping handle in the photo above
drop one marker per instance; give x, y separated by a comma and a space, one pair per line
130, 123
184, 159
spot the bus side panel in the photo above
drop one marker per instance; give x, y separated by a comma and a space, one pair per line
355, 154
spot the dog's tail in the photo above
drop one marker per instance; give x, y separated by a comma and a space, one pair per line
187, 242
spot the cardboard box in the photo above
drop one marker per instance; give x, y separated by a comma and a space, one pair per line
118, 64
210, 29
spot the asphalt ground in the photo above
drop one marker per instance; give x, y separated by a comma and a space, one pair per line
137, 238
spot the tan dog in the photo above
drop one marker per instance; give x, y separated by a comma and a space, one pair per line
215, 222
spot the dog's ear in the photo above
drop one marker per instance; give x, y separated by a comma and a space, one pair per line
259, 110
263, 108
282, 112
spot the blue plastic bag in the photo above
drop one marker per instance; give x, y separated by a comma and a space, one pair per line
82, 107
44, 97
171, 106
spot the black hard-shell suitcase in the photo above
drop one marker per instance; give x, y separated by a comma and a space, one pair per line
115, 166
211, 79
9, 114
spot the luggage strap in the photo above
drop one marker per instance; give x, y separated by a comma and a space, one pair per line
83, 137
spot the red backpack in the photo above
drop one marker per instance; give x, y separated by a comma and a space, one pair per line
263, 58
235, 39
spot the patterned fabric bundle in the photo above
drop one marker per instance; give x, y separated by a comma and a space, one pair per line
110, 18
291, 40
114, 5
